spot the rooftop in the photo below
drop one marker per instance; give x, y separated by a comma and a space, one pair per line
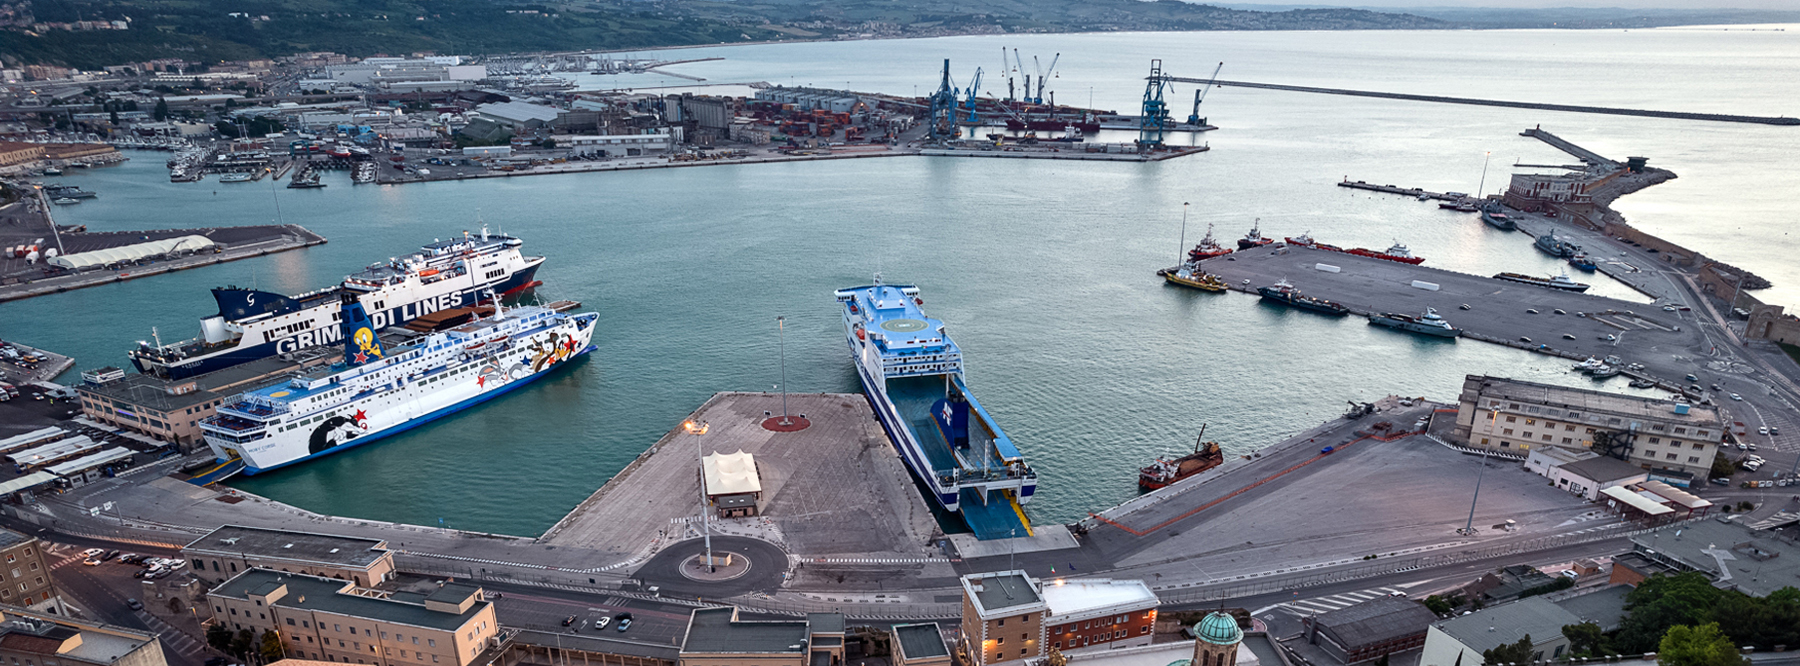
1604, 469
1488, 628
717, 630
1002, 593
332, 596
1755, 562
921, 641
151, 392
1082, 596
261, 542
597, 644
1587, 405
49, 635
9, 538
1605, 606
518, 111
1376, 620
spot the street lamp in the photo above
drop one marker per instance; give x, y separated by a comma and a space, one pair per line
698, 429
1469, 529
781, 325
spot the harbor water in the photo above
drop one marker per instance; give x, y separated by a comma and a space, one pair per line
1044, 271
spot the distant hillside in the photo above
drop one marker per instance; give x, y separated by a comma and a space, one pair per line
215, 30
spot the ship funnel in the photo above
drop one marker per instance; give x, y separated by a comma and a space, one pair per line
360, 344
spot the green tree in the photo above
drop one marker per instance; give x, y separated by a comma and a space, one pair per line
1586, 640
1703, 645
271, 647
548, 143
1443, 604
241, 642
162, 110
1508, 653
219, 637
1661, 602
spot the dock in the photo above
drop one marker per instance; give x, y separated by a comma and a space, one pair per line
21, 279
1571, 108
836, 487
1499, 312
42, 371
1041, 153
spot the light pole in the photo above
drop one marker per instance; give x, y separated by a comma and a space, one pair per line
781, 327
1469, 529
1179, 251
698, 429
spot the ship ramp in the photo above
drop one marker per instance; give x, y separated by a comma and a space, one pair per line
220, 472
997, 516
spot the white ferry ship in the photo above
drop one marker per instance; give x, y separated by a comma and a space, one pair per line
376, 392
254, 324
912, 375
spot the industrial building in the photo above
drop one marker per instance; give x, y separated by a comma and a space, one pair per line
1370, 630
230, 550
808, 99
1653, 502
920, 645
616, 145
717, 637
1009, 615
1582, 472
1735, 556
171, 411
53, 640
1462, 639
1675, 441
337, 620
375, 71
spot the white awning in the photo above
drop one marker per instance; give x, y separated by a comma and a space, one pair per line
32, 437
731, 474
26, 482
85, 463
1681, 497
82, 260
1632, 499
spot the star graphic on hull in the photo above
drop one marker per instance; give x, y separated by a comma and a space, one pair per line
480, 382
360, 417
361, 358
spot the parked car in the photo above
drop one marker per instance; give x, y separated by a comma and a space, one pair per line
568, 620
134, 604
601, 622
1735, 396
1763, 430
92, 552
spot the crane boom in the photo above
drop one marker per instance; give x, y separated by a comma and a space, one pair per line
1044, 76
1200, 95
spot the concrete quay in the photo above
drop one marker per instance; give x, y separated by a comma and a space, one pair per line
1498, 310
53, 364
1040, 153
234, 243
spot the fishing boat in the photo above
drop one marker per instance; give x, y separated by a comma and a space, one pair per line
1558, 281
1190, 275
1165, 472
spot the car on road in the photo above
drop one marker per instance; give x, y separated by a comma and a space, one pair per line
601, 622
92, 561
1752, 447
109, 555
1559, 311
1743, 447
1531, 311
1524, 339
568, 620
1763, 430
624, 624
1464, 306
1668, 308
92, 552
1568, 336
134, 604
1774, 430
1735, 396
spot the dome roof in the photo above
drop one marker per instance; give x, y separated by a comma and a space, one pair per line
1219, 629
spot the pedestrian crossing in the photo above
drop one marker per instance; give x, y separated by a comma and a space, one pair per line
1333, 602
878, 560
172, 638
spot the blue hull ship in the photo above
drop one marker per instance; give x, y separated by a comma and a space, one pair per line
911, 372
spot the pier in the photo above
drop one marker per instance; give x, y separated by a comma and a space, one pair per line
22, 279
1571, 108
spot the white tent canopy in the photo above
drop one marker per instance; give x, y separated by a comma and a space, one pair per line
129, 253
731, 474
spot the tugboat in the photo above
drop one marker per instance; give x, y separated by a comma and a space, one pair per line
1254, 238
1581, 261
1396, 252
1559, 281
1208, 248
1190, 275
1164, 472
1497, 218
1284, 293
1428, 324
1556, 247
235, 178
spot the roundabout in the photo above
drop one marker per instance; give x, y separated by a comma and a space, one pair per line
742, 565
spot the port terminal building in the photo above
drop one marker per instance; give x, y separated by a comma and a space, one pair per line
326, 619
58, 640
1675, 442
718, 637
1009, 616
230, 550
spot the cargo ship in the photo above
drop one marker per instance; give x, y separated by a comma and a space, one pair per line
1208, 247
1395, 252
1254, 238
1164, 472
1496, 217
376, 391
1306, 240
1427, 324
912, 375
1558, 281
1285, 294
1555, 247
253, 324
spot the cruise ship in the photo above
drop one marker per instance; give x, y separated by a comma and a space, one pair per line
375, 392
912, 374
254, 324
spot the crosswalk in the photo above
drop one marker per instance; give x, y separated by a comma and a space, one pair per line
173, 638
1333, 602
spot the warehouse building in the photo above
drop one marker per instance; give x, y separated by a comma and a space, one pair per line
1370, 630
1675, 441
230, 550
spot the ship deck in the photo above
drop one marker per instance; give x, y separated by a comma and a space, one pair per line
913, 397
999, 517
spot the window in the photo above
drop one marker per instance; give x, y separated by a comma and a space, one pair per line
415, 640
1693, 459
290, 621
1507, 431
1655, 440
1698, 446
1671, 456
1566, 440
1546, 438
259, 602
1512, 419
384, 635
433, 643
1530, 421
1000, 641
234, 611
1569, 428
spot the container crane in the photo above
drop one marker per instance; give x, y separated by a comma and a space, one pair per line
1043, 77
943, 108
1200, 94
1153, 124
974, 85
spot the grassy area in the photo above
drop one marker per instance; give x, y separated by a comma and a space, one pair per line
1793, 352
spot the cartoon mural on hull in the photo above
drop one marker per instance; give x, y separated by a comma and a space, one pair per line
337, 430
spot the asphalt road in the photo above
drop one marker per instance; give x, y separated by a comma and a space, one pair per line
767, 566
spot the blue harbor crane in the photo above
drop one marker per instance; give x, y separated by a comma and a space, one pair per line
1154, 122
969, 104
943, 108
1043, 77
1200, 94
